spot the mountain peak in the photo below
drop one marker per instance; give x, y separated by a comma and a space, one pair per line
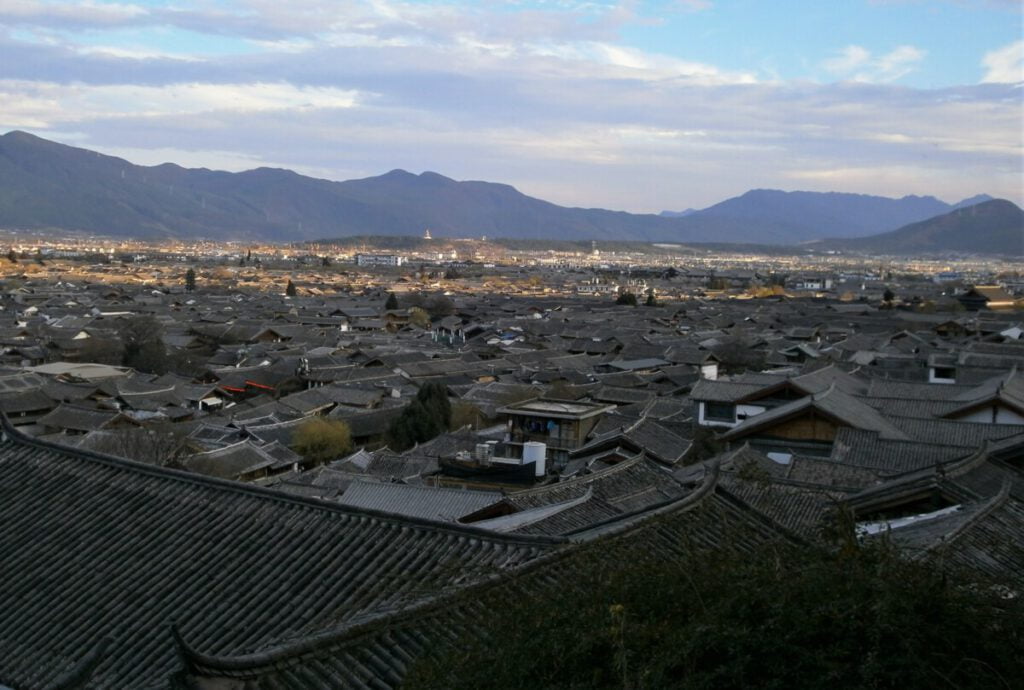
434, 177
995, 226
398, 173
973, 200
20, 134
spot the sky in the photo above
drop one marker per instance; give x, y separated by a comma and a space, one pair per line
632, 105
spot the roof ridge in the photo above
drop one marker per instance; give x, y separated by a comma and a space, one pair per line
12, 435
987, 508
825, 393
580, 479
350, 631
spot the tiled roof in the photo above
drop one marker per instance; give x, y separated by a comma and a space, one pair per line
95, 547
427, 502
378, 653
630, 486
846, 409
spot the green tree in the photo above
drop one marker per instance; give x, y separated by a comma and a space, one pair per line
439, 306
319, 440
12, 257
717, 618
99, 350
429, 414
190, 280
289, 289
419, 317
142, 340
650, 301
626, 298
434, 396
466, 414
704, 445
735, 356
888, 296
392, 302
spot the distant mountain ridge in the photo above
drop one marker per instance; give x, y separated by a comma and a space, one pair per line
46, 185
990, 227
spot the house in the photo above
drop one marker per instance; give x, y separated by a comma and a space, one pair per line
563, 426
986, 297
809, 425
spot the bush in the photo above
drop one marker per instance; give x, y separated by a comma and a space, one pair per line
429, 414
320, 440
775, 618
143, 345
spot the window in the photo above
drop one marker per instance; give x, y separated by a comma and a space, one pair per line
720, 412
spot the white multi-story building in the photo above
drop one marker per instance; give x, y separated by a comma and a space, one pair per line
380, 260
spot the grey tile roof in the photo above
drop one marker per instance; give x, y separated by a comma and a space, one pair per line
628, 487
427, 502
723, 390
645, 434
953, 432
75, 418
378, 653
233, 461
97, 548
866, 449
845, 409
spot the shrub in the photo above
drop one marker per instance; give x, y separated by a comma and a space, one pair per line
320, 440
775, 618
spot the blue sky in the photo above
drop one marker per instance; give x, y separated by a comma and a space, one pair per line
642, 106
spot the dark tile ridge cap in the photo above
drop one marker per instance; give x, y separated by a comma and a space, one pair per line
250, 664
942, 469
803, 484
78, 675
628, 521
583, 479
12, 435
932, 476
987, 509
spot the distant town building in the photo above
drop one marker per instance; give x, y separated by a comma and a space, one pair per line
380, 259
597, 286
986, 297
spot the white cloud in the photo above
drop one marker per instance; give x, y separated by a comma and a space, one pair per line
891, 66
851, 58
693, 5
601, 59
1004, 65
40, 104
93, 13
857, 63
550, 100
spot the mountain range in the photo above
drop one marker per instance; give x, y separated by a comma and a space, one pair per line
990, 227
47, 185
